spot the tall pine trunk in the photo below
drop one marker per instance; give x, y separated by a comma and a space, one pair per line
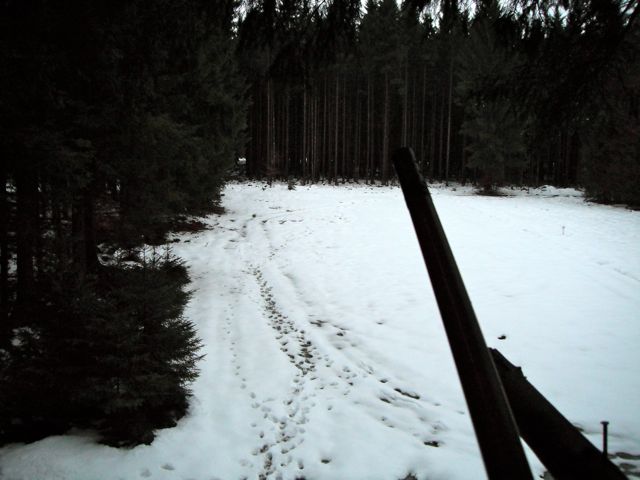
304, 131
356, 154
270, 132
315, 135
442, 138
344, 127
325, 133
369, 129
336, 130
413, 129
26, 232
432, 149
287, 149
90, 247
448, 159
385, 132
83, 234
423, 125
4, 251
405, 106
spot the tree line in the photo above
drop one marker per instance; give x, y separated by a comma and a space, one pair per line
521, 92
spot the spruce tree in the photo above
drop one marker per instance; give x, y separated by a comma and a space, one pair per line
116, 119
494, 126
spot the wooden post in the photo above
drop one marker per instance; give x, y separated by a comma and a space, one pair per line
559, 445
492, 419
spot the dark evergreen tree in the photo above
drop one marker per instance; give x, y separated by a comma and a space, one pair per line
112, 353
319, 111
494, 125
611, 132
116, 119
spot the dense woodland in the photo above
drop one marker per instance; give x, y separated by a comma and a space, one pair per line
118, 119
121, 119
520, 92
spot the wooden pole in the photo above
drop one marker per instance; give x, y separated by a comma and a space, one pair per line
491, 416
559, 445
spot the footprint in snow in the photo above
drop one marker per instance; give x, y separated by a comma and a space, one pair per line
168, 466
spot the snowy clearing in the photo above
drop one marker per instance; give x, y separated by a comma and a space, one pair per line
325, 352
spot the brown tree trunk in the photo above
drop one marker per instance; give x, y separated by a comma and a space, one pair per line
304, 132
369, 129
567, 164
344, 127
316, 136
56, 224
423, 125
356, 154
446, 168
413, 128
463, 163
325, 139
441, 149
385, 133
336, 130
405, 107
83, 234
269, 139
432, 153
287, 150
90, 248
4, 251
26, 232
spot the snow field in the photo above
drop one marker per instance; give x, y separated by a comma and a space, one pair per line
325, 352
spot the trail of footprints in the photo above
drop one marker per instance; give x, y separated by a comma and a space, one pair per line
393, 396
287, 431
286, 422
300, 351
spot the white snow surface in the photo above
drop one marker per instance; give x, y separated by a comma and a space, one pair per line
326, 357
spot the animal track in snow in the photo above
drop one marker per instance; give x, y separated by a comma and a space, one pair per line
291, 412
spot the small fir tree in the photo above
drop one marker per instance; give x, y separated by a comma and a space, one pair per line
112, 353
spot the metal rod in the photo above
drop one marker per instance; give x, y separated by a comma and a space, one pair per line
491, 415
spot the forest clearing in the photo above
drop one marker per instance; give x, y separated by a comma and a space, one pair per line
208, 271
325, 352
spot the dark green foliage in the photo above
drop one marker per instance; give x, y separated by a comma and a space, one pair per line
381, 37
113, 353
489, 91
495, 141
493, 127
612, 171
117, 119
611, 139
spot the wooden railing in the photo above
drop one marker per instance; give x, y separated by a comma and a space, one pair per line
502, 404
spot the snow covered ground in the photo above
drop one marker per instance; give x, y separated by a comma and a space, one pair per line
325, 353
